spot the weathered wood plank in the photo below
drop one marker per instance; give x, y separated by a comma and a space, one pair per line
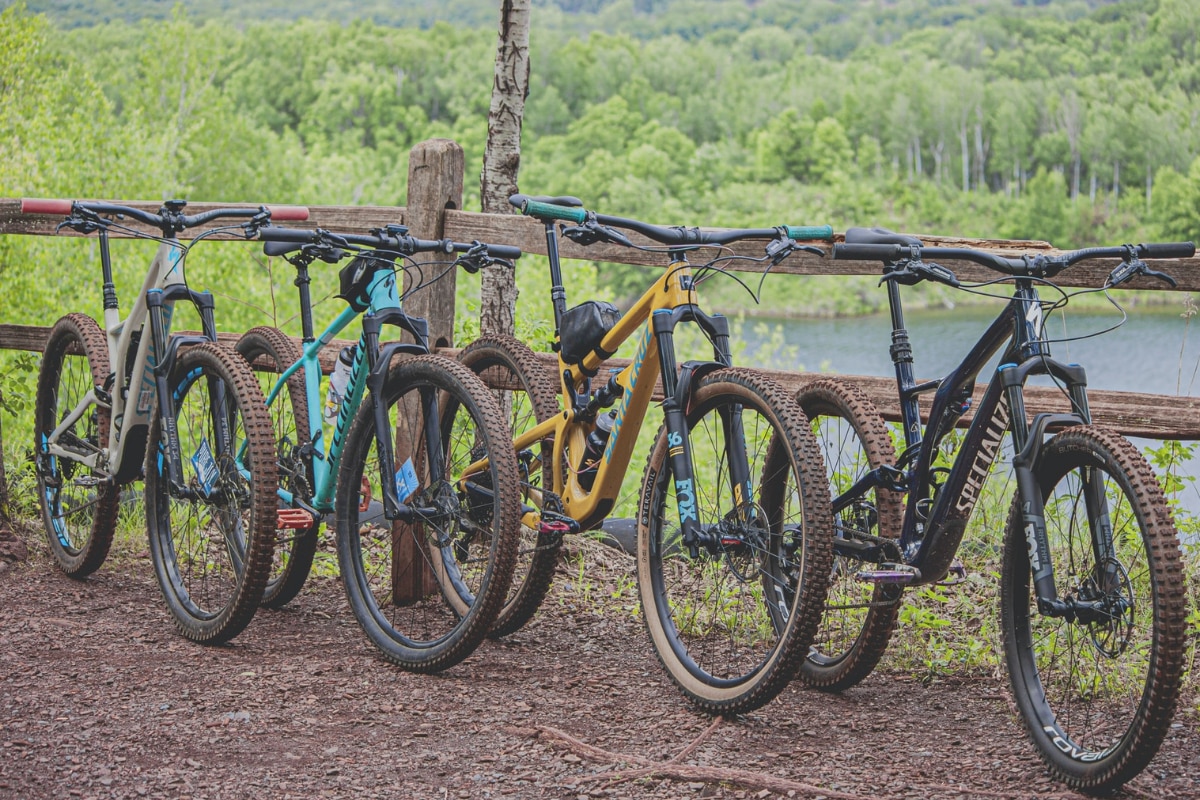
1146, 415
1152, 416
530, 236
352, 219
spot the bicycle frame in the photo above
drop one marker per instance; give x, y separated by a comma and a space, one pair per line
670, 301
151, 364
936, 515
368, 370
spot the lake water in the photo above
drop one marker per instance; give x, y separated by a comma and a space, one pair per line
1155, 351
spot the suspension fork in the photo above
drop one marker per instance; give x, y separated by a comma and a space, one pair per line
678, 445
1027, 441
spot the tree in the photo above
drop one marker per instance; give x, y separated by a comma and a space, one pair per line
502, 158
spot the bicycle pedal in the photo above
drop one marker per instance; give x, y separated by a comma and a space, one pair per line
958, 571
293, 518
900, 574
553, 527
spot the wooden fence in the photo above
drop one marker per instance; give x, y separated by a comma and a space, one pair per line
433, 210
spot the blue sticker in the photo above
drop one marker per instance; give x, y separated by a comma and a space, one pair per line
206, 466
406, 481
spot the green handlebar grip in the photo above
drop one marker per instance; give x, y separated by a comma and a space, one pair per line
533, 208
807, 232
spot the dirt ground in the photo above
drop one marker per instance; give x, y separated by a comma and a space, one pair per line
99, 697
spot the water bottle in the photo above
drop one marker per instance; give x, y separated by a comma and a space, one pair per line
337, 383
594, 448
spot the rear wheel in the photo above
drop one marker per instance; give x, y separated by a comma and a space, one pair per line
732, 618
427, 592
1097, 685
859, 617
79, 505
269, 351
212, 534
526, 389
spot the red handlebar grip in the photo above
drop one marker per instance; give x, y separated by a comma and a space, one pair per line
288, 213
41, 206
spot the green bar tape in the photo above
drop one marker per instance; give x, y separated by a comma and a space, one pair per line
806, 232
551, 211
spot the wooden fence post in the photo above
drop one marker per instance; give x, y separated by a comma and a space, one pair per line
435, 183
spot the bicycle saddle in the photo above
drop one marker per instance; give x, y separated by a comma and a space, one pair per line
518, 200
879, 236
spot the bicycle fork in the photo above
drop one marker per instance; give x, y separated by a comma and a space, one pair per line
1027, 442
677, 390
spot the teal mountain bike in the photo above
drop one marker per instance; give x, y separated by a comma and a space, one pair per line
425, 557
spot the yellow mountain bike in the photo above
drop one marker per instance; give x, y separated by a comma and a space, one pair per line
734, 521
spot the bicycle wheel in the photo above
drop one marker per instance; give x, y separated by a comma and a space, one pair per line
1096, 688
859, 617
79, 505
269, 351
426, 593
211, 537
527, 388
732, 619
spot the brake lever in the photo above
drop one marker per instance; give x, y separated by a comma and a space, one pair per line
252, 225
591, 232
781, 248
82, 220
79, 225
1162, 276
903, 275
1135, 266
936, 272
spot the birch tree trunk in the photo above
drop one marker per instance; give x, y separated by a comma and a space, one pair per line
502, 158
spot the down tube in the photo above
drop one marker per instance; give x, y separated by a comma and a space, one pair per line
957, 497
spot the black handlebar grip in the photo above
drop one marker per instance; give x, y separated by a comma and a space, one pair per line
507, 252
1167, 250
272, 233
868, 252
280, 248
518, 200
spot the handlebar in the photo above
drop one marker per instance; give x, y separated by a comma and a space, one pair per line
1040, 265
395, 237
546, 211
170, 218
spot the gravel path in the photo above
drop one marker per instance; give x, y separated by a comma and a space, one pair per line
99, 697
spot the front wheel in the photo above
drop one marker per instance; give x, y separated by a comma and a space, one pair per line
79, 504
427, 592
212, 532
1096, 686
732, 617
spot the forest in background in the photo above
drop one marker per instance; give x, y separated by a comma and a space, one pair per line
1069, 121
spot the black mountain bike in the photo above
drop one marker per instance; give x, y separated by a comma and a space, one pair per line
1092, 597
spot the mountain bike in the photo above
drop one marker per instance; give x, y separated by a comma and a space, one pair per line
1092, 602
117, 405
425, 419
716, 550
